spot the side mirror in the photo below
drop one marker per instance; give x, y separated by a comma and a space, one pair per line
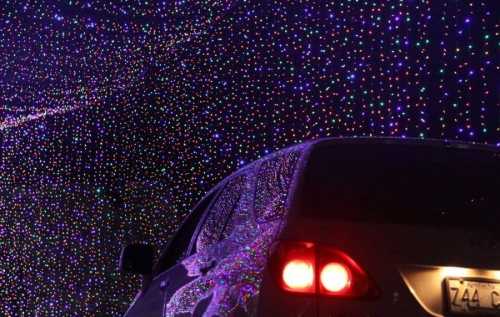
137, 259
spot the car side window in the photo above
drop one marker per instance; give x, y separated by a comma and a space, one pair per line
273, 182
178, 245
220, 213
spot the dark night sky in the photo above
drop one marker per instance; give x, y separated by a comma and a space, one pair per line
116, 117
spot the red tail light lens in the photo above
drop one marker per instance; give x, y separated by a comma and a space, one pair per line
316, 269
296, 267
341, 276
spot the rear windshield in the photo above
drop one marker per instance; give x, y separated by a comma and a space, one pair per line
403, 184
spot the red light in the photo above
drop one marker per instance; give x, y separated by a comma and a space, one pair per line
298, 275
310, 268
335, 277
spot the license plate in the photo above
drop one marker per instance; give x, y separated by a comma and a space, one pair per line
473, 297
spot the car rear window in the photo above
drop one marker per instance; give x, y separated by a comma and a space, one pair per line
403, 184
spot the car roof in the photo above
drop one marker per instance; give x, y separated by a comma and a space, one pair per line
396, 141
442, 143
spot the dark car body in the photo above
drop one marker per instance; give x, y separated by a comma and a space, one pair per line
417, 217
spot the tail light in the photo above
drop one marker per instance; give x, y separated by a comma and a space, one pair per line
341, 276
335, 277
310, 268
297, 268
298, 275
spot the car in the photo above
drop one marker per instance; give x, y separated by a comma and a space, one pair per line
337, 227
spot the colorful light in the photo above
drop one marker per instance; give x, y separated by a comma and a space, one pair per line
116, 116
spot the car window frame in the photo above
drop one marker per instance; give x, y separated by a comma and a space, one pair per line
212, 196
222, 186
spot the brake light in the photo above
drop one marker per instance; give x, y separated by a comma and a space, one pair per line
298, 275
335, 277
310, 268
297, 266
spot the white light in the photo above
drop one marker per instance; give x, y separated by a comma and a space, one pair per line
335, 277
298, 275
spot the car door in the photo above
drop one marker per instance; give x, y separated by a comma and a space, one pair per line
210, 231
232, 247
203, 228
167, 274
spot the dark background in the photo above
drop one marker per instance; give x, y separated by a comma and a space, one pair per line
115, 117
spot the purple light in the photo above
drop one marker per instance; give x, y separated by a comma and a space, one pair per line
152, 107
